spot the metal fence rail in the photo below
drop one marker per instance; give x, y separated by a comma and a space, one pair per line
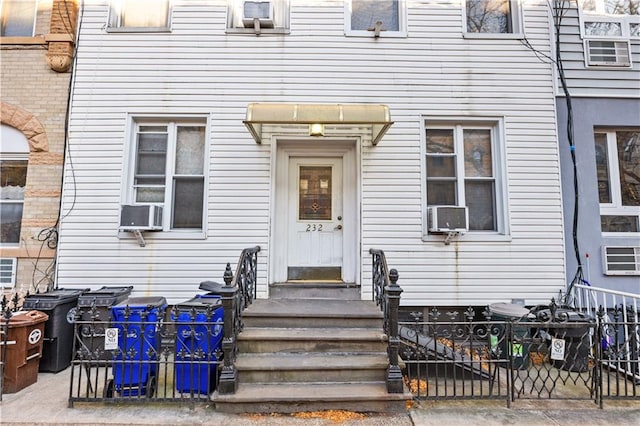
552, 353
174, 357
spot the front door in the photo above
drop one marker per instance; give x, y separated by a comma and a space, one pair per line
315, 219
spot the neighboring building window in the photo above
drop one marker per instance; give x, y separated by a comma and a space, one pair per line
168, 171
139, 14
607, 27
375, 18
14, 155
618, 171
463, 168
7, 272
18, 18
258, 16
492, 16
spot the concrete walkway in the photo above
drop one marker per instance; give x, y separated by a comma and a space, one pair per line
45, 402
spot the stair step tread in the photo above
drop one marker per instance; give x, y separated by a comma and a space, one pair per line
326, 308
301, 392
312, 334
311, 361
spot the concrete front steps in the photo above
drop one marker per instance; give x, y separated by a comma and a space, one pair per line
307, 351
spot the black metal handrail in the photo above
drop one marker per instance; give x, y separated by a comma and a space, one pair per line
386, 294
238, 292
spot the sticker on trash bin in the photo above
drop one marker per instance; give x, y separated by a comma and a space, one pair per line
557, 349
110, 339
34, 336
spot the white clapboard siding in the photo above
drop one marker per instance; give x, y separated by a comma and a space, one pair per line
198, 69
612, 82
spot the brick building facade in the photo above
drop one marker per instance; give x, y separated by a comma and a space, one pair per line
36, 59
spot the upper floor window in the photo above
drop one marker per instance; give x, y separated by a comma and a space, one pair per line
618, 171
18, 18
464, 168
258, 16
375, 18
142, 15
13, 179
492, 17
607, 26
169, 171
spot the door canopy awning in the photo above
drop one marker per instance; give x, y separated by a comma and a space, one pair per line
375, 116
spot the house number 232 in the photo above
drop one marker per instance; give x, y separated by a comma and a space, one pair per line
311, 227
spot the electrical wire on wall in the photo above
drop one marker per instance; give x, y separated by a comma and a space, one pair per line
49, 236
559, 9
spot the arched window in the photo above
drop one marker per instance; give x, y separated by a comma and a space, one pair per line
14, 155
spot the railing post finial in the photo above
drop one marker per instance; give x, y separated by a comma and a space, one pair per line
228, 275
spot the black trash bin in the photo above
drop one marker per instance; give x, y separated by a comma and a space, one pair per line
58, 330
518, 349
574, 328
198, 343
95, 313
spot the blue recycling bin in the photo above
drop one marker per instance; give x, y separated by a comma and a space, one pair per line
199, 333
135, 367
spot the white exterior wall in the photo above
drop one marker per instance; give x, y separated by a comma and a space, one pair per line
198, 69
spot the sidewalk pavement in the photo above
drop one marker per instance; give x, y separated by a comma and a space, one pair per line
45, 403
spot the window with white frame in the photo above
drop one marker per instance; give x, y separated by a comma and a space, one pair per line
377, 18
618, 171
258, 16
607, 27
146, 15
169, 171
17, 18
14, 156
493, 16
464, 168
7, 272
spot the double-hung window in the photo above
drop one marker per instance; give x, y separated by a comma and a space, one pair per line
463, 167
618, 171
17, 18
169, 171
607, 27
258, 16
139, 15
491, 17
377, 18
13, 179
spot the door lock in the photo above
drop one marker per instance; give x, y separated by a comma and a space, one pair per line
339, 227
339, 217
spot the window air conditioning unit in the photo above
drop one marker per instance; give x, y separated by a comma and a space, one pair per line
608, 53
621, 260
260, 10
443, 219
140, 218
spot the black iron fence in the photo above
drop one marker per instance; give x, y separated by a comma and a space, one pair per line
551, 353
147, 353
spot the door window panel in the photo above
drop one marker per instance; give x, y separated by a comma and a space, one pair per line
315, 193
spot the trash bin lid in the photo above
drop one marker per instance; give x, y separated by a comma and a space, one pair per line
105, 296
25, 318
143, 302
52, 299
200, 302
510, 310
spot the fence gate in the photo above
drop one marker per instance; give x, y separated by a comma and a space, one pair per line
553, 354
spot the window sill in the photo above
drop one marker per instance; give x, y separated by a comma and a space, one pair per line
22, 40
493, 36
370, 34
164, 235
138, 30
469, 237
251, 31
